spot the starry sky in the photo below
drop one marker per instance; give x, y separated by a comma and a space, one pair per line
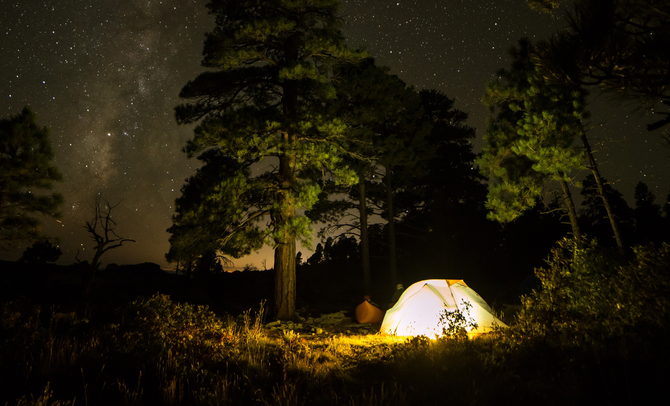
105, 77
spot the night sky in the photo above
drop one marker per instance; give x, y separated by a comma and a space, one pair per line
105, 77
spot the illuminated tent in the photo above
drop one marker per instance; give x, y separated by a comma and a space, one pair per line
417, 312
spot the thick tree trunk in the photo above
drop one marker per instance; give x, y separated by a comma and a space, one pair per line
393, 267
285, 279
284, 238
284, 215
365, 245
572, 213
601, 191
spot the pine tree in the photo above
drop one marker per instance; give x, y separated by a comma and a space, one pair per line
596, 218
531, 141
264, 101
25, 169
449, 180
443, 203
404, 153
648, 220
619, 46
376, 106
317, 257
209, 263
220, 222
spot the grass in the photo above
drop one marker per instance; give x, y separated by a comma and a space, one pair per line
157, 352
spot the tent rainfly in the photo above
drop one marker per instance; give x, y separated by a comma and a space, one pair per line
418, 310
368, 313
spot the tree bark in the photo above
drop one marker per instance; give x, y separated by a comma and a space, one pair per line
283, 217
365, 245
285, 279
572, 213
601, 190
393, 267
284, 237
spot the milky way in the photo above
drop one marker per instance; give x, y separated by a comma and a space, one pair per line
105, 77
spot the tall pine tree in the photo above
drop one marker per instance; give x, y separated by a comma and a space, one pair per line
264, 101
25, 171
374, 103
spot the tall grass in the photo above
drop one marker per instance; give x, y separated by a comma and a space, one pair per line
131, 395
42, 400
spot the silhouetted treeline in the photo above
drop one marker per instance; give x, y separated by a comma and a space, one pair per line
497, 261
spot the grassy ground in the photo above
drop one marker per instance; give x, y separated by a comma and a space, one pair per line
158, 352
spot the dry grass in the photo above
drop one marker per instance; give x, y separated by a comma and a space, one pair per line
249, 366
246, 364
42, 400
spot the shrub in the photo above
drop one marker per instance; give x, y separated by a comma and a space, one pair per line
41, 252
153, 326
593, 296
456, 323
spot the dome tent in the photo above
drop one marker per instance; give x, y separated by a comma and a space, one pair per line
418, 310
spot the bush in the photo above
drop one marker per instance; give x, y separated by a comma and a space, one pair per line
456, 323
41, 252
592, 296
153, 326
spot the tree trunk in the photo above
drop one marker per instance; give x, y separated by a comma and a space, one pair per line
285, 250
601, 190
440, 230
365, 246
393, 267
285, 279
572, 213
282, 218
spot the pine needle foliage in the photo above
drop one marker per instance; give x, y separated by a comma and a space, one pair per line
531, 140
619, 46
25, 171
264, 102
208, 219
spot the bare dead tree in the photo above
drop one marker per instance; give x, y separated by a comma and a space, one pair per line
102, 230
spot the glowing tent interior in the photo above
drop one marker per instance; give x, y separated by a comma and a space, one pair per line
417, 312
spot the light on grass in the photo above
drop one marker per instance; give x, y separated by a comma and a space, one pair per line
425, 306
